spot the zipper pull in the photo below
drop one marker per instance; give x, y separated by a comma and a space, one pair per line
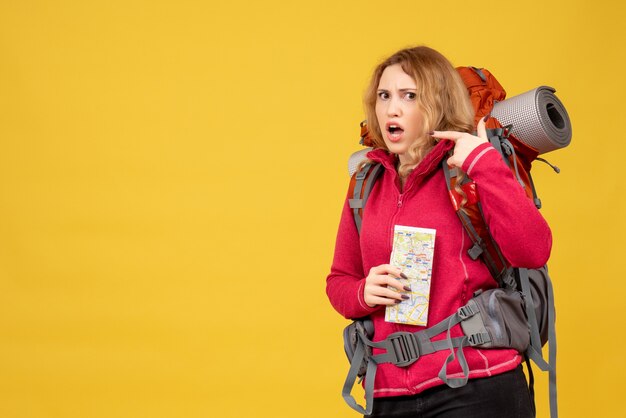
400, 201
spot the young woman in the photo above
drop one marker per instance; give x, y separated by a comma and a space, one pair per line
419, 113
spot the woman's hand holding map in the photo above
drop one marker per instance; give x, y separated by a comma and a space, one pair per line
377, 282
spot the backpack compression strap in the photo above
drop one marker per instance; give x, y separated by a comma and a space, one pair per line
355, 365
499, 138
534, 350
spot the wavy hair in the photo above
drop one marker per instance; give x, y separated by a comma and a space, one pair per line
441, 96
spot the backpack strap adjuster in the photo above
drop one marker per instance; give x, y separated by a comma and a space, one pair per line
475, 251
361, 174
356, 203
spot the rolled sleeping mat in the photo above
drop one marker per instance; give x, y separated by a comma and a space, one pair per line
538, 117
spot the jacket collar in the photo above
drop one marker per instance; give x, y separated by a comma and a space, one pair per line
428, 164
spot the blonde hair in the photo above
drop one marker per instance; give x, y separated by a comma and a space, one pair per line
441, 96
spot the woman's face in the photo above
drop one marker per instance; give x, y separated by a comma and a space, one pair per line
399, 117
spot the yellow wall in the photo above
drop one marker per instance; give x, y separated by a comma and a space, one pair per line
171, 177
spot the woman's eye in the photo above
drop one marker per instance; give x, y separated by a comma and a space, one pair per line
383, 95
411, 96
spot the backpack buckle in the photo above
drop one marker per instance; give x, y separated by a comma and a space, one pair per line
479, 338
467, 311
403, 348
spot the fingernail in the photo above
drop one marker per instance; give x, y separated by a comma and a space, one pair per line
405, 297
487, 117
398, 301
407, 288
404, 276
431, 132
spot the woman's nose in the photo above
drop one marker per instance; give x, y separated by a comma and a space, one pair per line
393, 109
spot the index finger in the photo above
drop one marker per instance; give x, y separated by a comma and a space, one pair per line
451, 135
481, 130
388, 269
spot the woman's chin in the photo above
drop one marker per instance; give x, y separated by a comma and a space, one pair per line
396, 148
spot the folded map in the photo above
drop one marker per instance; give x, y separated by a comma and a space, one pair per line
413, 251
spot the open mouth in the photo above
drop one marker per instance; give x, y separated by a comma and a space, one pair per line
395, 131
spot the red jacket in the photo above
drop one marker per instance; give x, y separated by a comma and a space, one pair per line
521, 232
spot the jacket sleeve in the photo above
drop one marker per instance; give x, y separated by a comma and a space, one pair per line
345, 283
522, 234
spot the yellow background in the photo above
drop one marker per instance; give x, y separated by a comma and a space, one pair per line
171, 178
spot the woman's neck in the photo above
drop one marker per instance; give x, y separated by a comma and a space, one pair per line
402, 183
402, 179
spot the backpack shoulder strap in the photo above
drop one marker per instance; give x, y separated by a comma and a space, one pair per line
361, 185
472, 219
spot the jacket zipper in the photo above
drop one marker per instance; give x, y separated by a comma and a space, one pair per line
399, 204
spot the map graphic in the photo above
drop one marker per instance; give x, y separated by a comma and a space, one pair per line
413, 251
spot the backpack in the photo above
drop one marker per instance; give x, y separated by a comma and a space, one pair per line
520, 312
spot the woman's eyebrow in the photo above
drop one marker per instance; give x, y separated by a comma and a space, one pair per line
403, 90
